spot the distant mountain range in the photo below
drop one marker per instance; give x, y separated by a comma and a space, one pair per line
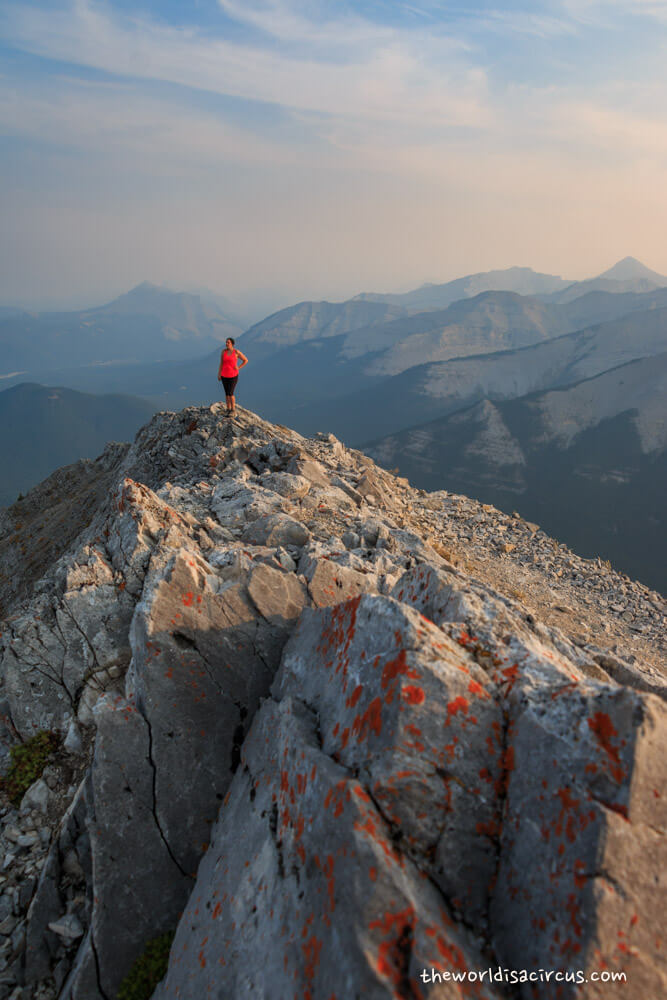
522, 280
135, 336
146, 324
314, 386
587, 462
458, 319
384, 369
342, 379
628, 275
314, 321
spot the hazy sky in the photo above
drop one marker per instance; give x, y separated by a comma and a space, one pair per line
324, 148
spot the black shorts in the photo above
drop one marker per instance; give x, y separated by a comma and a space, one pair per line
229, 384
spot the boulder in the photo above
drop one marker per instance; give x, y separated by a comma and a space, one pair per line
58, 652
303, 871
275, 530
583, 854
206, 642
410, 712
138, 887
330, 583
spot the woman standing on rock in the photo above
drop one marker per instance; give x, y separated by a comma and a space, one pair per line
228, 372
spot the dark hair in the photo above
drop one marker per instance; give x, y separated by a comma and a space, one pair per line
231, 341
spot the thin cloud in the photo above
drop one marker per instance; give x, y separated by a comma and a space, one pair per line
390, 112
392, 79
605, 12
528, 24
288, 22
618, 133
148, 134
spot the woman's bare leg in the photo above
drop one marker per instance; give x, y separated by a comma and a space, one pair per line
233, 403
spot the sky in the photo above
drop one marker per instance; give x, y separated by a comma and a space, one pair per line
298, 149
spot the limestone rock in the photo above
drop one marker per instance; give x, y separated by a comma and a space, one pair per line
309, 469
279, 597
309, 731
581, 882
37, 797
124, 829
330, 583
58, 654
202, 658
517, 652
295, 487
68, 926
413, 715
50, 897
276, 529
235, 502
302, 871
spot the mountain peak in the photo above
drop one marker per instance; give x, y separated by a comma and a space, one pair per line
145, 295
150, 288
630, 269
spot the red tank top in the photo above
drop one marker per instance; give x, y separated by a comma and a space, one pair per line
230, 364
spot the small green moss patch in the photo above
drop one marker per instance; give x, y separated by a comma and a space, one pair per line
148, 970
28, 760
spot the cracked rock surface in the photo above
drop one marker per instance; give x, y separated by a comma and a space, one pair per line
298, 727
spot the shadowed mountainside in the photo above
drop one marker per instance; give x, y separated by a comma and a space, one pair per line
588, 463
42, 428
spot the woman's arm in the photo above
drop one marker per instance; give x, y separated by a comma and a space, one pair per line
222, 354
239, 354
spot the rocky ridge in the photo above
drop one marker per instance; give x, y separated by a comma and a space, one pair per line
330, 729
